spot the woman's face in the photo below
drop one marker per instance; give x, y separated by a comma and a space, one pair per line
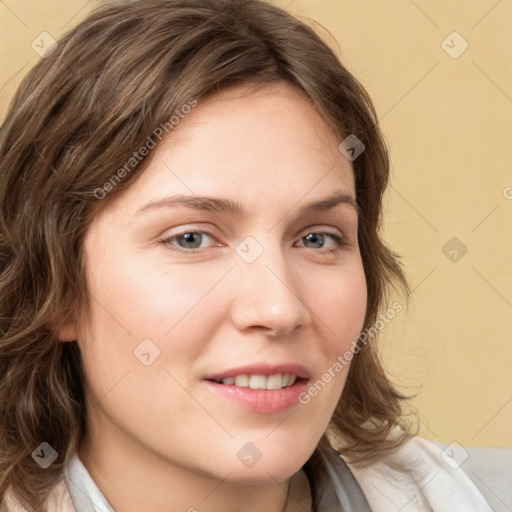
258, 291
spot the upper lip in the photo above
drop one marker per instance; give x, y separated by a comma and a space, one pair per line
261, 369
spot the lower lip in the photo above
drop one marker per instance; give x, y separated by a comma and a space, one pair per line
263, 401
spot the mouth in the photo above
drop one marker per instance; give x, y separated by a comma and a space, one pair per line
270, 382
263, 389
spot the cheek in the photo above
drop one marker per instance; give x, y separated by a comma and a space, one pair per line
140, 298
343, 311
143, 313
342, 308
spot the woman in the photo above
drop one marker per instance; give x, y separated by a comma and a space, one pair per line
192, 276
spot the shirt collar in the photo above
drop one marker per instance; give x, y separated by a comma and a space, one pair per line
333, 486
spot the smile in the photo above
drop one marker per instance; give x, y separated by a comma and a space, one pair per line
270, 382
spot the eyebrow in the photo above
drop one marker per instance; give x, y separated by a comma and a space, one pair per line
224, 205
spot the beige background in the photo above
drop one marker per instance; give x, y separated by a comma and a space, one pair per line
449, 123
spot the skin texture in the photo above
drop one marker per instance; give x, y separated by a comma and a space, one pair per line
157, 438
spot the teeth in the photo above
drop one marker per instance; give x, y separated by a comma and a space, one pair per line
274, 382
258, 382
271, 382
242, 381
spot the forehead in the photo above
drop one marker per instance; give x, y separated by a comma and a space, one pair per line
257, 144
266, 120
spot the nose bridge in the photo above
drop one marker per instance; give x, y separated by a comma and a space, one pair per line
268, 290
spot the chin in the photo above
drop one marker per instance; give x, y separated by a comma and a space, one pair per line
262, 473
264, 460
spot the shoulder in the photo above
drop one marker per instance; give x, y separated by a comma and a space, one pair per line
416, 477
59, 500
489, 468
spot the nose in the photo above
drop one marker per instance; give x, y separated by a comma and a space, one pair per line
269, 296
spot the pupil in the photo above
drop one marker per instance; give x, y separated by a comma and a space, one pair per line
315, 238
189, 239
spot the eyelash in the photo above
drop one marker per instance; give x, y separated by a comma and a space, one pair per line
340, 242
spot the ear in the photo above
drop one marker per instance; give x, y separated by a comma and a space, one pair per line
64, 332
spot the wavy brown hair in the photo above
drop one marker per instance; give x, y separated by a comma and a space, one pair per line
79, 115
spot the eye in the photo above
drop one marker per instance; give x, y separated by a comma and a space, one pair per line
317, 240
190, 239
193, 240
